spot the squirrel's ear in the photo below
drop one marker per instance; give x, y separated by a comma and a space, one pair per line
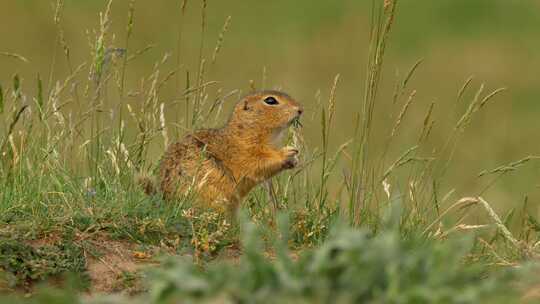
246, 106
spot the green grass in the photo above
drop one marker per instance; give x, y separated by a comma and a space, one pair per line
364, 223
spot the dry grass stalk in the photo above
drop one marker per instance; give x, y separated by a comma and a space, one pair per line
221, 38
509, 167
506, 233
16, 56
462, 203
332, 101
402, 113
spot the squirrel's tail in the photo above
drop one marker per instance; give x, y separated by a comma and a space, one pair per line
147, 183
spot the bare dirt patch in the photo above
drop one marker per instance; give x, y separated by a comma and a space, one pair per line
115, 265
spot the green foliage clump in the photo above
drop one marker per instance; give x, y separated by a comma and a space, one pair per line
22, 264
353, 266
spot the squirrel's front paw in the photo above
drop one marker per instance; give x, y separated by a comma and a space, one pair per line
291, 159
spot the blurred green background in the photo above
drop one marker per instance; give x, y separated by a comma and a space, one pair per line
303, 44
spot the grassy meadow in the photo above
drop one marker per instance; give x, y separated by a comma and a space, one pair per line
419, 172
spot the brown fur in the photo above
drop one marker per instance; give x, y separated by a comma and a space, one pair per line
223, 165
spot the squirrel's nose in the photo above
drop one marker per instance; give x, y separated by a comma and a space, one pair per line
300, 111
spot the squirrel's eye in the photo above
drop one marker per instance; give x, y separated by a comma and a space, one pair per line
271, 101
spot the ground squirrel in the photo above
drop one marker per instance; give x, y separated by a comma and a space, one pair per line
223, 165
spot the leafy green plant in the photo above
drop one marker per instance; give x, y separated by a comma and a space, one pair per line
23, 264
352, 266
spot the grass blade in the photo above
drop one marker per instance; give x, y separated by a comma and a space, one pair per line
39, 96
1, 99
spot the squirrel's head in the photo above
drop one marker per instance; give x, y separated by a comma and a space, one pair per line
266, 110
